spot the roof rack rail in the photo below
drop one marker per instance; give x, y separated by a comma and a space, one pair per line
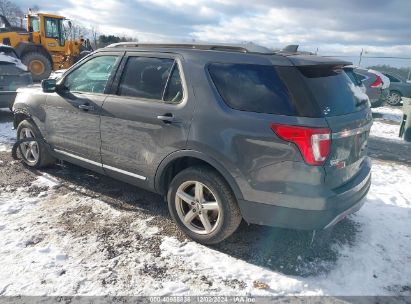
246, 48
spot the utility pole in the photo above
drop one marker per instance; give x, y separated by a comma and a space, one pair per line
359, 62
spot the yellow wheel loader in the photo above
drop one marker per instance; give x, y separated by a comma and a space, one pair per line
42, 46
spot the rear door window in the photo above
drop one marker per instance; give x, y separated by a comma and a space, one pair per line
252, 88
151, 78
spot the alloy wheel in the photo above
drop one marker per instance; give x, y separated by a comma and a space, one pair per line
30, 150
197, 207
394, 98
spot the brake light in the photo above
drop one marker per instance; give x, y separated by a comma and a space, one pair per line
377, 83
314, 143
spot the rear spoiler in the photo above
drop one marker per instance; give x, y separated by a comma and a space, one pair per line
302, 58
307, 60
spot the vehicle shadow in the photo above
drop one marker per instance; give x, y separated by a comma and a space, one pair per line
290, 252
389, 149
287, 251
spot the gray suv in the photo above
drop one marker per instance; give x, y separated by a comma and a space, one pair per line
224, 132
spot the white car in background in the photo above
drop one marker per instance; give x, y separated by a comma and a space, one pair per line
376, 85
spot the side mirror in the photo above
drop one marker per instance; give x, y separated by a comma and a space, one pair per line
49, 85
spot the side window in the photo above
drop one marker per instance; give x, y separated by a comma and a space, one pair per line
145, 77
34, 24
252, 88
92, 76
392, 78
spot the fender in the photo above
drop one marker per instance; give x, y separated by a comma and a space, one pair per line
201, 156
17, 114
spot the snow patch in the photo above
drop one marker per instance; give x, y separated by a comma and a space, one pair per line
7, 136
388, 113
358, 92
46, 180
384, 130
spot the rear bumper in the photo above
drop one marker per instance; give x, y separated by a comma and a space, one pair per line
7, 98
340, 202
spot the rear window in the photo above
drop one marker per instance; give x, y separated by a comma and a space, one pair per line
306, 91
333, 90
353, 77
252, 88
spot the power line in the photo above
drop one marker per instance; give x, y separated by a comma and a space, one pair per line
374, 57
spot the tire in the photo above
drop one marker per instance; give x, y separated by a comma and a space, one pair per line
38, 64
395, 98
44, 158
216, 191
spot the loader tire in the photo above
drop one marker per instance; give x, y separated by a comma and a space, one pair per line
38, 64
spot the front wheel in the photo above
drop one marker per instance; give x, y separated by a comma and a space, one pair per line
34, 153
203, 205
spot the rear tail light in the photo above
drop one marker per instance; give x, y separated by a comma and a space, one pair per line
377, 83
314, 143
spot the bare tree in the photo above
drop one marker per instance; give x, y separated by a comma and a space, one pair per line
12, 12
74, 30
94, 31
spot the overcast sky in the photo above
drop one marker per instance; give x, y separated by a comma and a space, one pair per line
381, 27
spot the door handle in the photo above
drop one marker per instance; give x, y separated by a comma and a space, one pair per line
86, 107
166, 118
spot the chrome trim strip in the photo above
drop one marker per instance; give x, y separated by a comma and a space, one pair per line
100, 164
78, 157
124, 172
352, 132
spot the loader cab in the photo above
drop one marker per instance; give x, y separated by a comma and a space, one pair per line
48, 30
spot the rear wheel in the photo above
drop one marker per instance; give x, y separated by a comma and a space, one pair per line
395, 98
38, 64
34, 153
203, 205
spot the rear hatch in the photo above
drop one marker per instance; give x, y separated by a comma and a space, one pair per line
346, 110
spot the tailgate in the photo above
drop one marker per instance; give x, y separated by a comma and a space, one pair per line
349, 140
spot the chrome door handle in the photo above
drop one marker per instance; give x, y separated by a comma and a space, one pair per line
166, 118
86, 107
